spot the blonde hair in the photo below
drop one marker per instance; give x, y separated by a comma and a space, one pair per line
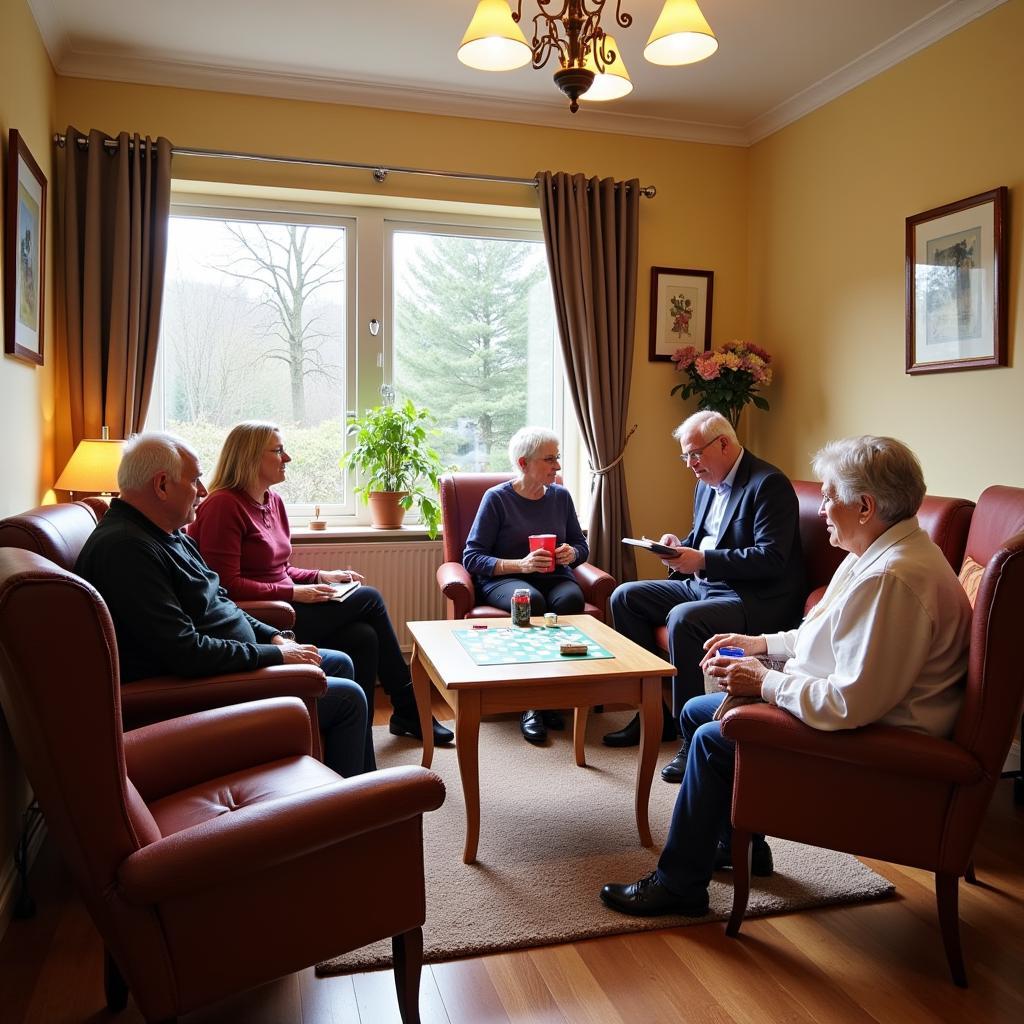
238, 465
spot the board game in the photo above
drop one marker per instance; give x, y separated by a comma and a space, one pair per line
514, 645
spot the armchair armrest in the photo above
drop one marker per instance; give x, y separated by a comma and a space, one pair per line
174, 755
457, 585
596, 584
279, 614
263, 836
882, 747
161, 697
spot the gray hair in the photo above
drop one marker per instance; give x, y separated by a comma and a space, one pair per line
880, 466
526, 442
710, 424
145, 455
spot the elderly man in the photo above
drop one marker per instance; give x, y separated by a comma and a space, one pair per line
171, 615
887, 643
740, 569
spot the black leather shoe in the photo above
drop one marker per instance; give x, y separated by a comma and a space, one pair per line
532, 727
649, 898
553, 719
761, 863
676, 768
402, 726
629, 735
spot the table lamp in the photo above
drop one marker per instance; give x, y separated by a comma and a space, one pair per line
93, 467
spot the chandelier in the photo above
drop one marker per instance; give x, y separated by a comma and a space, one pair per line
590, 62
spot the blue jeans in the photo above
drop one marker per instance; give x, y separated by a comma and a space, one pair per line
344, 718
700, 818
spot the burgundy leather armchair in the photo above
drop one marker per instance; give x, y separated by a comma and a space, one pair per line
58, 533
212, 851
461, 494
888, 793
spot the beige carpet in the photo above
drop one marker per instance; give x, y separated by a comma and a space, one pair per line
552, 834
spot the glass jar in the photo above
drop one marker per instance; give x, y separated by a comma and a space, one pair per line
521, 607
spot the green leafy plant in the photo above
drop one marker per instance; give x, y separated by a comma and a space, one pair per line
392, 450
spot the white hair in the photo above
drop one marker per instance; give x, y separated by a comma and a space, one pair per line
709, 424
880, 466
145, 455
526, 442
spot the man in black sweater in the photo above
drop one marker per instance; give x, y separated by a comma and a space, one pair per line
170, 613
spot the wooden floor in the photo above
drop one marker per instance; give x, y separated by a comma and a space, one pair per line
879, 961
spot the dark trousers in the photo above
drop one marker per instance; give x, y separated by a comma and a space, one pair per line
700, 818
548, 593
692, 609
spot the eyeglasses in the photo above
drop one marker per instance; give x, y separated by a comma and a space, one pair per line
826, 501
551, 459
278, 451
698, 453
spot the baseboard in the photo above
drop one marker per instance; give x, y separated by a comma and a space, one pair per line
9, 873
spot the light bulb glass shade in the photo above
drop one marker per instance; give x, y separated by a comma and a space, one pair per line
681, 35
93, 467
493, 41
613, 82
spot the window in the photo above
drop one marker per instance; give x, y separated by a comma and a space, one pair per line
259, 322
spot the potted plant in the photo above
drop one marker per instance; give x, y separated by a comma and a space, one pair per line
399, 468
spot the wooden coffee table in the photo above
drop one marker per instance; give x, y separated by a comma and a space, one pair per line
632, 676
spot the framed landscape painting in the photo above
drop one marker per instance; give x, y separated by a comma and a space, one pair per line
680, 310
24, 253
956, 276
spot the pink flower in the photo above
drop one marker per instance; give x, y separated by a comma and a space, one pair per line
708, 366
684, 357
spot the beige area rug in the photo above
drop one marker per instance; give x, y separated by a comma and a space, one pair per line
552, 834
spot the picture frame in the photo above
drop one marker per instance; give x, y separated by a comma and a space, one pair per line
956, 285
681, 303
24, 253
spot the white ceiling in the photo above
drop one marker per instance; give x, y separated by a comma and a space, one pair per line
777, 59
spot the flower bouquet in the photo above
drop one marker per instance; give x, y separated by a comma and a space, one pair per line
725, 379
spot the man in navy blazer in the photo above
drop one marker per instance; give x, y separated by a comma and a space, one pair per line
739, 570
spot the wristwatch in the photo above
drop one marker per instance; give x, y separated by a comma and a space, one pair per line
286, 634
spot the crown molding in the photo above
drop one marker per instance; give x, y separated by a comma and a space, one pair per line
55, 36
289, 85
916, 37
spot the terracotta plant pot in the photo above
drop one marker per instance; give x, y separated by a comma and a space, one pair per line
385, 511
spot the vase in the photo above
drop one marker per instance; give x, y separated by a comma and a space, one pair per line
386, 511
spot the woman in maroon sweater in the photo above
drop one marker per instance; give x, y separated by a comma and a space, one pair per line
242, 532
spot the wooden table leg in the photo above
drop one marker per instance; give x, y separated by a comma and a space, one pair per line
650, 738
467, 729
579, 735
421, 690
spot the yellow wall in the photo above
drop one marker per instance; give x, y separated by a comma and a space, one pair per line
699, 218
829, 199
27, 103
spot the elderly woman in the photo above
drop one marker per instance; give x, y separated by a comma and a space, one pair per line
242, 533
887, 643
498, 554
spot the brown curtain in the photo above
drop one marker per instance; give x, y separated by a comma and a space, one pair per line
591, 228
114, 209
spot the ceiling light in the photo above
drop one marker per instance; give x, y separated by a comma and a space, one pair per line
590, 62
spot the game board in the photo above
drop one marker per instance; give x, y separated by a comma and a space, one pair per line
513, 645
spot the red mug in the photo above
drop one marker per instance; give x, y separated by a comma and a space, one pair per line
546, 541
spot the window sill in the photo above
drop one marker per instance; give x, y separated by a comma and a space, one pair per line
362, 534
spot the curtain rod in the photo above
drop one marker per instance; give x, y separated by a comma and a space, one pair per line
379, 172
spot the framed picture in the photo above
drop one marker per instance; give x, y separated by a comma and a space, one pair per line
24, 253
956, 285
680, 310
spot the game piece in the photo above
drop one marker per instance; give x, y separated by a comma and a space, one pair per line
569, 647
479, 625
551, 620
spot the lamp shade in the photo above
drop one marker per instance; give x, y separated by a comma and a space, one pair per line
681, 35
493, 41
614, 81
93, 467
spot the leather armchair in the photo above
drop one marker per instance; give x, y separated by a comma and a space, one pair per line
461, 494
888, 793
213, 852
58, 533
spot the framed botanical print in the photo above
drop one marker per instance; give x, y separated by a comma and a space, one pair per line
956, 276
680, 310
24, 253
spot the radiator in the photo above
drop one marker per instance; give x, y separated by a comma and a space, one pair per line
404, 573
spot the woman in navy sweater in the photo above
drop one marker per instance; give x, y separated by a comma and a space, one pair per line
498, 554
